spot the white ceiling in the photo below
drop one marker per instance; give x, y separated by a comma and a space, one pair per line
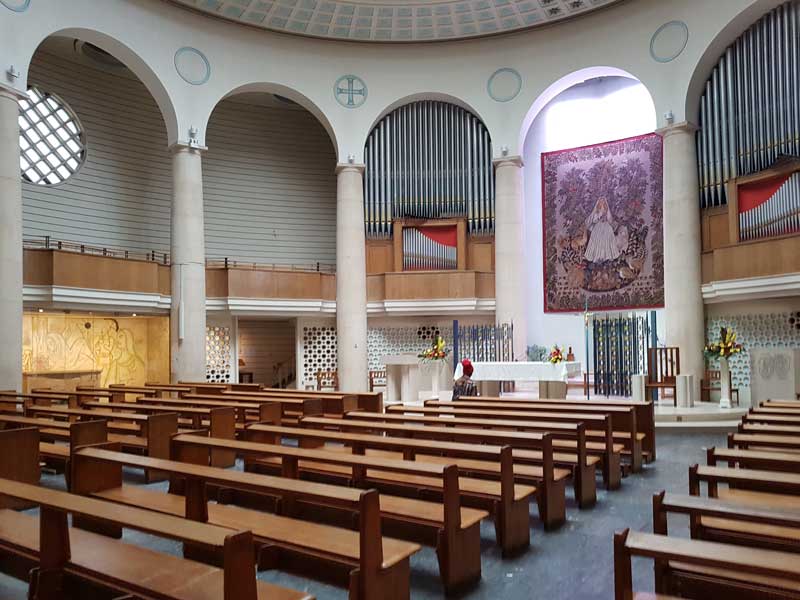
392, 21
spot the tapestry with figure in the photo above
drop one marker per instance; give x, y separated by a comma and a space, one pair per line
602, 214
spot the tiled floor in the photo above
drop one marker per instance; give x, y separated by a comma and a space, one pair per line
574, 562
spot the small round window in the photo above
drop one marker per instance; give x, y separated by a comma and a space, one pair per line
52, 145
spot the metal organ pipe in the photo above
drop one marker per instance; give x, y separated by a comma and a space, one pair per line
750, 116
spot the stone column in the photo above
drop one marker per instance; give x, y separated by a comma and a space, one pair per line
509, 251
10, 243
351, 279
683, 298
188, 311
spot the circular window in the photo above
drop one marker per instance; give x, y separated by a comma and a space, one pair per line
52, 144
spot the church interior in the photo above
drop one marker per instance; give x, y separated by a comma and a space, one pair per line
393, 299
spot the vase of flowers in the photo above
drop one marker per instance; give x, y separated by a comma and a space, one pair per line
722, 349
556, 355
435, 356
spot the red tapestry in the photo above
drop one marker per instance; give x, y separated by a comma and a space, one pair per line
602, 216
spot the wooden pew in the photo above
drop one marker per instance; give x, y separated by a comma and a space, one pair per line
769, 429
730, 522
527, 447
148, 434
754, 459
292, 408
645, 414
63, 559
567, 435
771, 418
759, 441
117, 392
746, 485
363, 561
255, 411
369, 401
702, 569
332, 403
471, 459
508, 501
628, 433
221, 421
168, 388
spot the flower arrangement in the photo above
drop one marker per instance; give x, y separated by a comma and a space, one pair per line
437, 351
556, 355
725, 347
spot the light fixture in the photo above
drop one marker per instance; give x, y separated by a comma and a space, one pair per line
351, 158
41, 310
133, 315
12, 73
669, 117
193, 143
504, 150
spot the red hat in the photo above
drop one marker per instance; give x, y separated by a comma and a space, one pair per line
467, 368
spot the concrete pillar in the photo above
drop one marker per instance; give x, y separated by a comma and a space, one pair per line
683, 298
509, 251
351, 279
188, 311
10, 243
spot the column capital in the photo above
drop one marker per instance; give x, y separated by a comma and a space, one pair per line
10, 92
515, 161
682, 127
356, 167
186, 146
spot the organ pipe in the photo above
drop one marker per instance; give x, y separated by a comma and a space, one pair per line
750, 110
429, 160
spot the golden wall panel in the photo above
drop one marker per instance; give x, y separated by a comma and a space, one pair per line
129, 350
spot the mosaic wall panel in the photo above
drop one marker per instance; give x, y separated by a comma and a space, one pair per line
125, 350
319, 345
319, 351
383, 341
218, 354
775, 330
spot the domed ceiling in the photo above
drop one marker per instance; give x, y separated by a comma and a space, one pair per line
390, 21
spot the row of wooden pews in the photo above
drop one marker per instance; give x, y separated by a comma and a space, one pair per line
744, 531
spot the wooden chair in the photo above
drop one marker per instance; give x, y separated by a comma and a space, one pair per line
713, 382
377, 379
327, 380
663, 366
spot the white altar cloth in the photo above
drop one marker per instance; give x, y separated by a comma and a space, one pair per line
521, 371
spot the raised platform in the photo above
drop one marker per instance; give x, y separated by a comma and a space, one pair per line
703, 416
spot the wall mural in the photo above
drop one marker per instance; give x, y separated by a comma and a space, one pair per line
774, 330
125, 350
602, 218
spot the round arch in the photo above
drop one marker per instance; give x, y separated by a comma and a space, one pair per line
286, 92
126, 55
437, 96
709, 58
566, 82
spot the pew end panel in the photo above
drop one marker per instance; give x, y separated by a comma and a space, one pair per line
222, 425
88, 476
19, 461
160, 429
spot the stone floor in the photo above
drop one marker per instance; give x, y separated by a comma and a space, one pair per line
576, 562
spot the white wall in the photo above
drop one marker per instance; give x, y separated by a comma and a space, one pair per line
269, 185
598, 110
121, 197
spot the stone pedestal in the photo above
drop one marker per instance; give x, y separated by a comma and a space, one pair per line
683, 300
10, 243
509, 243
637, 388
188, 271
351, 279
684, 391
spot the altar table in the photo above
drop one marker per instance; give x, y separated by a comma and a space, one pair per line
522, 371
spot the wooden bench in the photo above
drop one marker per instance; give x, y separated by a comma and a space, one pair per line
757, 441
371, 401
754, 459
332, 403
741, 482
702, 569
291, 408
471, 459
769, 429
566, 435
368, 564
645, 414
730, 522
527, 447
63, 559
245, 411
628, 433
508, 501
771, 418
